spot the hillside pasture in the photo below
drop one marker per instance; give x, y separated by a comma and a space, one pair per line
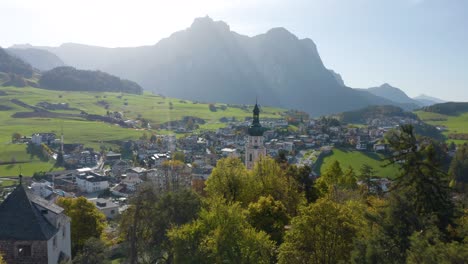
355, 159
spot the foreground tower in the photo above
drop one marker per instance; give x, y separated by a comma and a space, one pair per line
254, 148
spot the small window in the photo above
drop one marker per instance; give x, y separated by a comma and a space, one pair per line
24, 250
54, 242
113, 212
250, 157
64, 230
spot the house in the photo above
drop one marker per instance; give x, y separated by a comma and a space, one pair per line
33, 230
107, 207
111, 157
230, 152
120, 166
91, 182
46, 138
380, 147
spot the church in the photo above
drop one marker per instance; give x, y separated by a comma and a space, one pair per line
33, 230
254, 147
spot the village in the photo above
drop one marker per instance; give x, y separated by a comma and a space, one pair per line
109, 178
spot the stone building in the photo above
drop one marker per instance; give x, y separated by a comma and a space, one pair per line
33, 230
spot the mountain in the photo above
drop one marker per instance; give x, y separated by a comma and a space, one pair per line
13, 65
449, 108
425, 100
394, 94
70, 79
361, 116
14, 71
338, 77
38, 58
210, 63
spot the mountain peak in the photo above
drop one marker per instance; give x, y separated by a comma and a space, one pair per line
386, 85
280, 32
207, 22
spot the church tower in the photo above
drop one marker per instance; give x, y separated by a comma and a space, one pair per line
254, 148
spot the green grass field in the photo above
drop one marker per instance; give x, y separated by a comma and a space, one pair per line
356, 159
155, 109
454, 124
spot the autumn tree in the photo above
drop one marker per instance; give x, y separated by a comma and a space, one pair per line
86, 220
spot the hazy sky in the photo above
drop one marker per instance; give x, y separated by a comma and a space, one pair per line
417, 45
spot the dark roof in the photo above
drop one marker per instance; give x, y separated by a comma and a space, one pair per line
20, 218
256, 129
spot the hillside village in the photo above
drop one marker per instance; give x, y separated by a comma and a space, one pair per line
109, 178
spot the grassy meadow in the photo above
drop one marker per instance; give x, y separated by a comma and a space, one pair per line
356, 159
454, 124
156, 109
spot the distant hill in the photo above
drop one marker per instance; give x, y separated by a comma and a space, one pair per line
38, 58
14, 71
13, 65
394, 94
372, 112
425, 100
71, 79
450, 108
210, 63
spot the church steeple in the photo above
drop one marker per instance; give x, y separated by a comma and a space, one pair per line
254, 148
256, 128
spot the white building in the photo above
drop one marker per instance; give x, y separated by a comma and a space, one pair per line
91, 182
107, 207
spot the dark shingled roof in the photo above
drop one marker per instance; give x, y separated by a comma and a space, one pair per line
20, 219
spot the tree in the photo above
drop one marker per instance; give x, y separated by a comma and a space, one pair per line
153, 138
86, 220
330, 178
419, 199
270, 216
305, 182
2, 261
94, 251
369, 185
428, 246
459, 167
221, 235
349, 179
271, 179
422, 177
15, 137
179, 155
230, 180
60, 162
322, 233
150, 215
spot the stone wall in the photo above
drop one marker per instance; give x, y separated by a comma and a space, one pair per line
9, 250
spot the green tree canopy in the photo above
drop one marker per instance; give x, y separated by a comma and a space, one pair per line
322, 233
270, 216
151, 214
86, 220
221, 235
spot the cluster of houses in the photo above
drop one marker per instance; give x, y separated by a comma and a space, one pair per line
164, 161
